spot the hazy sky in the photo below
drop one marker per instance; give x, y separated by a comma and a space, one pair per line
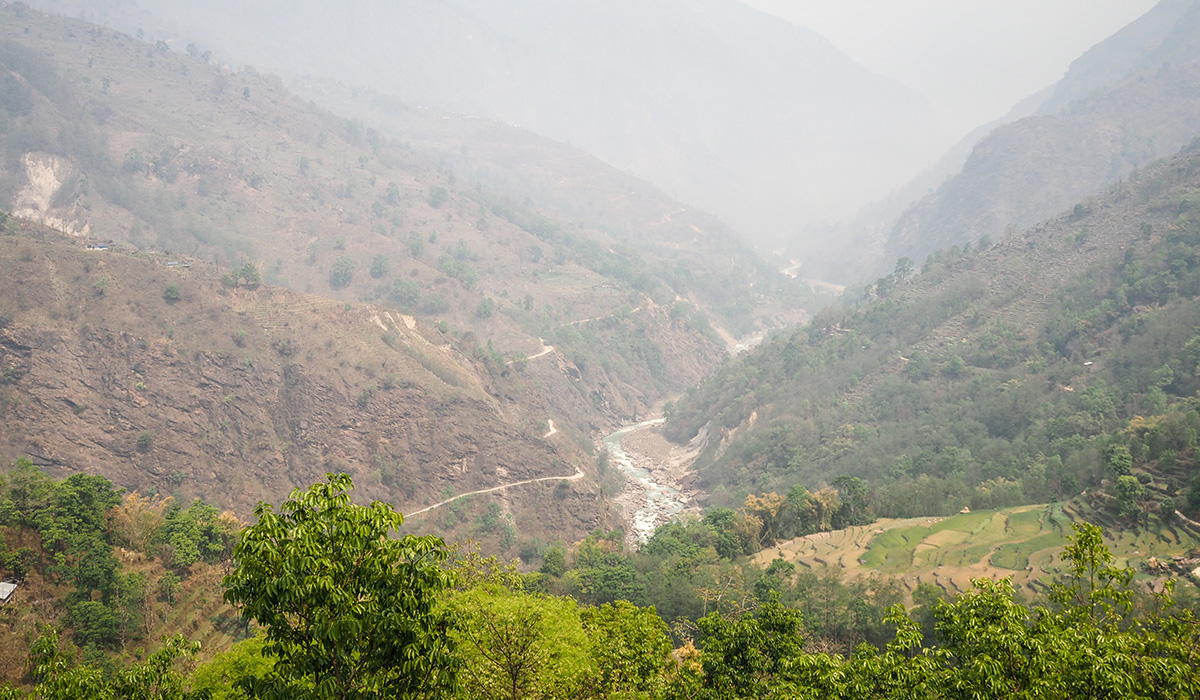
973, 59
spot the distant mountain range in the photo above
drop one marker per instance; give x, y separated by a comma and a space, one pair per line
1128, 101
729, 109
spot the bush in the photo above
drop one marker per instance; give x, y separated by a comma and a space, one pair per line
379, 266
405, 292
144, 442
172, 293
435, 304
343, 272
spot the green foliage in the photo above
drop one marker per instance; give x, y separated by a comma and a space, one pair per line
157, 678
435, 303
246, 272
952, 390
459, 270
437, 197
516, 645
737, 655
342, 273
416, 244
197, 533
347, 610
554, 561
405, 293
629, 649
380, 266
172, 293
221, 676
1119, 459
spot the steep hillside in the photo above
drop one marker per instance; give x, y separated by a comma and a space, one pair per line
165, 380
993, 378
764, 123
118, 138
1144, 44
1114, 113
520, 166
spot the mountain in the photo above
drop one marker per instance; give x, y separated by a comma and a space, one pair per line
853, 250
239, 395
294, 287
1146, 43
761, 122
1019, 373
1127, 102
109, 134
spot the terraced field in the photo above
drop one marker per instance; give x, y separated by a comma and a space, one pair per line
1023, 543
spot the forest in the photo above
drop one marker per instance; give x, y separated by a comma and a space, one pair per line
333, 603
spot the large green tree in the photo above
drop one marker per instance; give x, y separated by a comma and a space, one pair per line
348, 610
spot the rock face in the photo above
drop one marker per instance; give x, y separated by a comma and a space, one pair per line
240, 395
45, 174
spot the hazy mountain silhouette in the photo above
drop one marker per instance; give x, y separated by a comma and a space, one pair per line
727, 108
1127, 102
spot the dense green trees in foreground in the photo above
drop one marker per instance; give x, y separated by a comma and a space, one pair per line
346, 609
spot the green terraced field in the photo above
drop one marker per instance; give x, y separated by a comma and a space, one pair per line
1024, 543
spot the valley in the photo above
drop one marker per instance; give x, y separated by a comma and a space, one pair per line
353, 377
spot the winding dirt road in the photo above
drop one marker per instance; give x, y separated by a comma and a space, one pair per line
577, 475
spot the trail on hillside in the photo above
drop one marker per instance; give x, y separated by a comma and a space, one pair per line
546, 350
577, 475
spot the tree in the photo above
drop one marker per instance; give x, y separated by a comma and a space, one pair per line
157, 678
172, 293
348, 609
1129, 492
343, 272
744, 658
248, 272
554, 561
380, 266
1119, 459
515, 645
629, 648
405, 292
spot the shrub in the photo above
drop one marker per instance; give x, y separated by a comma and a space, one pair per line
405, 292
172, 293
379, 266
343, 272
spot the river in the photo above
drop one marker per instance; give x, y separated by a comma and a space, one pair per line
651, 501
